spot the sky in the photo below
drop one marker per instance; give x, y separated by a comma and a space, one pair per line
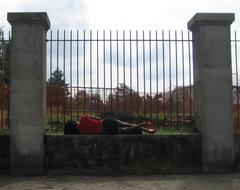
119, 14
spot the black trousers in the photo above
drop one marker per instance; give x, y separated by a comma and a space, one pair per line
111, 126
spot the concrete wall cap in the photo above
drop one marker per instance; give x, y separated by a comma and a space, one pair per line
210, 19
29, 18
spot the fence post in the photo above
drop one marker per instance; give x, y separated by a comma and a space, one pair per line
28, 92
213, 88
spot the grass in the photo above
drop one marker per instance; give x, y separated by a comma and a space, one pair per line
4, 131
55, 123
160, 130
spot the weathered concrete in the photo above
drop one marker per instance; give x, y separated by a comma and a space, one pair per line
57, 163
28, 96
123, 154
213, 89
152, 182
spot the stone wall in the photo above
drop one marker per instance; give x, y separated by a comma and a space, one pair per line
123, 154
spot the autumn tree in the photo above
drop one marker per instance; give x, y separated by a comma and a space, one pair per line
88, 102
124, 99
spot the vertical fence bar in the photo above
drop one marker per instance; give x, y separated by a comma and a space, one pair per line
164, 92
71, 87
137, 74
9, 82
190, 73
2, 77
78, 75
111, 86
236, 62
98, 101
91, 82
144, 78
150, 70
170, 77
176, 89
84, 72
183, 78
3, 58
117, 75
104, 71
124, 74
51, 106
157, 90
131, 92
58, 80
64, 75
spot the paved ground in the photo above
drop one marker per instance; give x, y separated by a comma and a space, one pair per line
166, 182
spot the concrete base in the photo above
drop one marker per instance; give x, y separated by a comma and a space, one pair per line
27, 165
172, 154
123, 154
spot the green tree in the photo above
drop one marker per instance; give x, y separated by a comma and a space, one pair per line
57, 89
57, 78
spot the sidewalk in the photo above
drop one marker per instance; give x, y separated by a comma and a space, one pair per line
166, 182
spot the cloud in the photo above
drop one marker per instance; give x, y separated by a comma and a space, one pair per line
151, 14
63, 13
119, 14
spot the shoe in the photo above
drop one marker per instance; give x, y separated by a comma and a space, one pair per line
152, 130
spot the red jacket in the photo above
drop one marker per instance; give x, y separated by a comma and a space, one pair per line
89, 125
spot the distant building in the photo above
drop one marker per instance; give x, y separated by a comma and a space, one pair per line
180, 100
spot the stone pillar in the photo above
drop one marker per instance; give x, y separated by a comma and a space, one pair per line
28, 92
213, 89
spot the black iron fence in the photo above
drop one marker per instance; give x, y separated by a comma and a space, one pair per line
4, 79
133, 76
236, 91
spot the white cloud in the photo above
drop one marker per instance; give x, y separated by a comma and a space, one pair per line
151, 14
62, 13
119, 14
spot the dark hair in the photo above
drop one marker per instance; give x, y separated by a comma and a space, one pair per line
71, 128
110, 126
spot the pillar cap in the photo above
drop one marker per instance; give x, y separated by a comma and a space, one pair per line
210, 19
29, 18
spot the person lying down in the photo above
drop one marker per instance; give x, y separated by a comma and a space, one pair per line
110, 126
